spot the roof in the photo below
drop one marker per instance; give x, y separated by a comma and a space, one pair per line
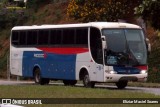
99, 25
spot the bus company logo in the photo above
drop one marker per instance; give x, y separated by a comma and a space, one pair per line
40, 55
6, 101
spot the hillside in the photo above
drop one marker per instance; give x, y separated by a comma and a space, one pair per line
52, 13
55, 13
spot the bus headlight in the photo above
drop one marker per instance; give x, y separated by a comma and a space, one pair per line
111, 72
143, 72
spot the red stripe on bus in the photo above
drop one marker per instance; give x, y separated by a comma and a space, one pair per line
64, 50
142, 67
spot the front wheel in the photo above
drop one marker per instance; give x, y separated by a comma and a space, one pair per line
38, 79
121, 84
87, 83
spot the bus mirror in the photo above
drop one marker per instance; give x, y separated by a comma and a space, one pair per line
104, 44
148, 45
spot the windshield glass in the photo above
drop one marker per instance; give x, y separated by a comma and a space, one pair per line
125, 47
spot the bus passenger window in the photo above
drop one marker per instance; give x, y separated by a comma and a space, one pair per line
43, 37
23, 38
15, 38
82, 36
68, 36
32, 37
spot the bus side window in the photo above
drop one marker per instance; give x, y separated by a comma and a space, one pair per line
59, 37
82, 36
68, 36
43, 37
32, 37
15, 37
22, 37
53, 37
96, 45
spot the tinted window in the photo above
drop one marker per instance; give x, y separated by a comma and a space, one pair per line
53, 37
56, 37
82, 36
32, 37
23, 38
15, 37
68, 36
64, 36
43, 37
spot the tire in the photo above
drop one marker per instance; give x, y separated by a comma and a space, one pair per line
38, 79
87, 83
121, 84
69, 82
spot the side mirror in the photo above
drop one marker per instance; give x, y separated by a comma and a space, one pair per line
104, 44
148, 45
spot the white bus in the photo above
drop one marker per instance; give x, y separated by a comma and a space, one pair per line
92, 52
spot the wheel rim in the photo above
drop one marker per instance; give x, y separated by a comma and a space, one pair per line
86, 80
37, 76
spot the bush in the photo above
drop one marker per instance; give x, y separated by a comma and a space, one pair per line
35, 4
11, 17
149, 10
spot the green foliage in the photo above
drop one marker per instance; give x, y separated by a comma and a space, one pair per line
11, 17
149, 10
154, 61
21, 4
35, 4
100, 10
3, 61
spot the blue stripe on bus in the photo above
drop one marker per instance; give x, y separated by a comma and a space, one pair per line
52, 66
126, 70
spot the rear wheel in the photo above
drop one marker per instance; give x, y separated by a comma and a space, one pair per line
121, 84
38, 79
87, 83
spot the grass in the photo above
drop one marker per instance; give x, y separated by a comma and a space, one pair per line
139, 84
56, 91
146, 84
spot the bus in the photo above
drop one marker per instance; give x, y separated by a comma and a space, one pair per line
94, 52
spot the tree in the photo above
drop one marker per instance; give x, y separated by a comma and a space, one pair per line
149, 11
100, 10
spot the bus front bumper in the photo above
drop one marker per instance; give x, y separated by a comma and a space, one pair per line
125, 77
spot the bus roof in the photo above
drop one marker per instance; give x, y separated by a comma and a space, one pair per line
99, 25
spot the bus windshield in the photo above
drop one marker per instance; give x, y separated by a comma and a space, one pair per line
125, 47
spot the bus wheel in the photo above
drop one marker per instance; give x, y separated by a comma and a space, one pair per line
87, 83
121, 84
38, 79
